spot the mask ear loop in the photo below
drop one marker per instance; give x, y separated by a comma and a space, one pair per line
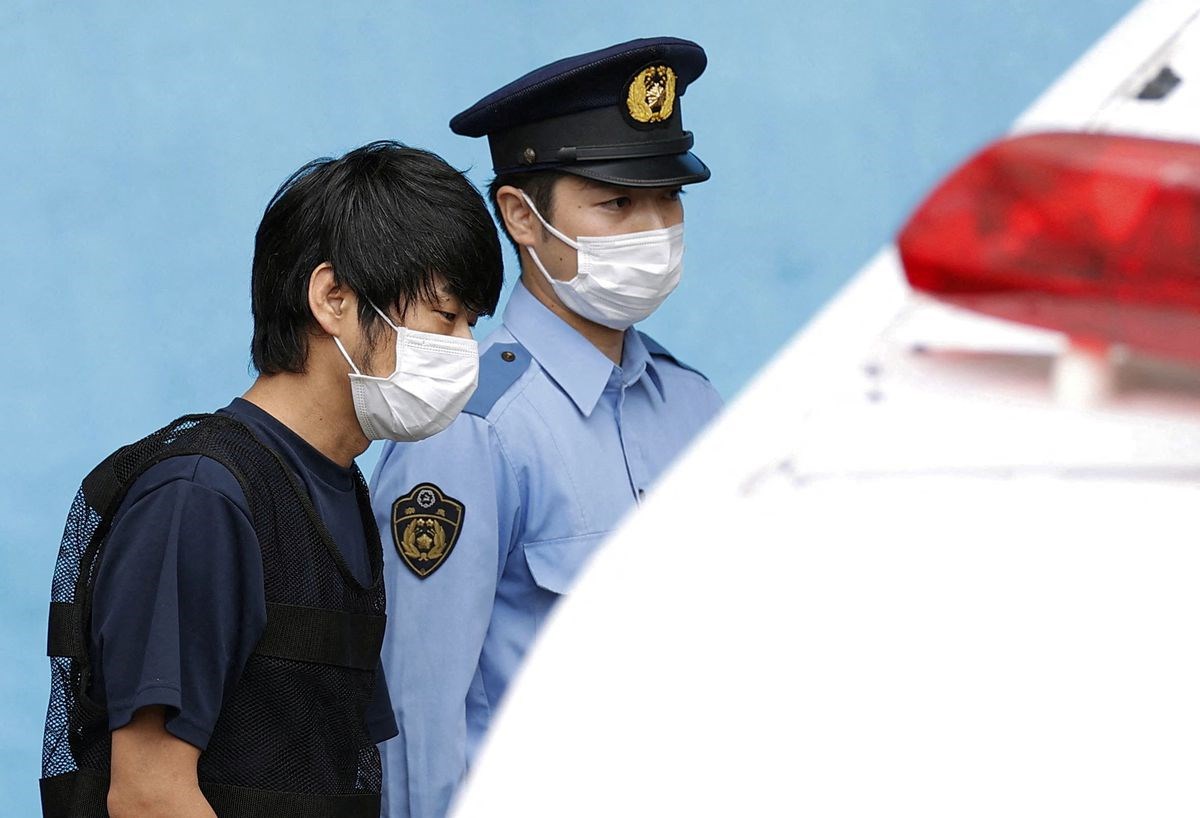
551, 280
383, 315
574, 245
345, 355
342, 349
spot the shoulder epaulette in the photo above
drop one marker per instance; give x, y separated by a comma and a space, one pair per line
659, 351
499, 368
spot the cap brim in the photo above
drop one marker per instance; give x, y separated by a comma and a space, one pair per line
650, 171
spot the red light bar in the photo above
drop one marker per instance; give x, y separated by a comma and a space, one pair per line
1092, 234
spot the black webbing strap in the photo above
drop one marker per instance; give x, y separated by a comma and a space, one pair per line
241, 802
322, 636
75, 795
85, 795
64, 636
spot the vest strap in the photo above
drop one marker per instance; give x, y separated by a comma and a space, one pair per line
75, 795
65, 634
322, 636
85, 795
243, 802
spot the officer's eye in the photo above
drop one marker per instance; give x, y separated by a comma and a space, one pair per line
675, 194
618, 203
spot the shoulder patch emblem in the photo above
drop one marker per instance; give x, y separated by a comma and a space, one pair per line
425, 526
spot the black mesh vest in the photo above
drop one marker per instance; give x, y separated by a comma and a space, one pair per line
291, 738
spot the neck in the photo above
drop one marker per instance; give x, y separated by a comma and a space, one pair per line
316, 407
610, 342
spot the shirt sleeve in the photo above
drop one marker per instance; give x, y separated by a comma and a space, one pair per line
437, 624
178, 600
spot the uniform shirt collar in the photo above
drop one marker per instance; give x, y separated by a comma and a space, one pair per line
637, 362
579, 369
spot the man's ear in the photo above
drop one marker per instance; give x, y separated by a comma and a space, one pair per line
331, 304
519, 218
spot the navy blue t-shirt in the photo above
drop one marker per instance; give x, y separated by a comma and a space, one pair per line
179, 602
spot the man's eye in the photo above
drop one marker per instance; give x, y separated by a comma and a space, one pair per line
618, 203
676, 194
449, 316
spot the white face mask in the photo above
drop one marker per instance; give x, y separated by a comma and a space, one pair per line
621, 279
435, 377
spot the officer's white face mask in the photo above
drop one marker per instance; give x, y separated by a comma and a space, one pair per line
621, 279
435, 377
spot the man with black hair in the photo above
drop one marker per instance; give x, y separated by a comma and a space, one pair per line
218, 602
576, 415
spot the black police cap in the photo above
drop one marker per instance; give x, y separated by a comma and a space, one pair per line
612, 115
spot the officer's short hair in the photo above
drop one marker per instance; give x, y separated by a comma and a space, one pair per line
538, 186
389, 219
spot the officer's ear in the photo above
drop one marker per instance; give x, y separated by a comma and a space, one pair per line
331, 304
519, 219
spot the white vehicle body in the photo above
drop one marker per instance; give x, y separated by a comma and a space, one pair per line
929, 563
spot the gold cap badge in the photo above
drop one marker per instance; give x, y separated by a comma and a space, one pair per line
652, 94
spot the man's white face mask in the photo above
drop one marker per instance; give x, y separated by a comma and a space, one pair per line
435, 377
621, 279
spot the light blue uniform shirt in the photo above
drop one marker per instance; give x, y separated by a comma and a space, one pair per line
555, 447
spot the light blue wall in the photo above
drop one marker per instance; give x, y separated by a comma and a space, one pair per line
141, 141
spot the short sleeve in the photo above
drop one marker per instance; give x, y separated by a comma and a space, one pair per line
178, 600
437, 623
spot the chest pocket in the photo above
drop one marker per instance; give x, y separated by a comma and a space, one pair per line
556, 564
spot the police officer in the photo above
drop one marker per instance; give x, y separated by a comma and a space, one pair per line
577, 412
218, 600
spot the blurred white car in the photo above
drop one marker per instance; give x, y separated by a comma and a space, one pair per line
943, 556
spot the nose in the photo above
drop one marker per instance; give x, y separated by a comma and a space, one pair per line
662, 213
654, 217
